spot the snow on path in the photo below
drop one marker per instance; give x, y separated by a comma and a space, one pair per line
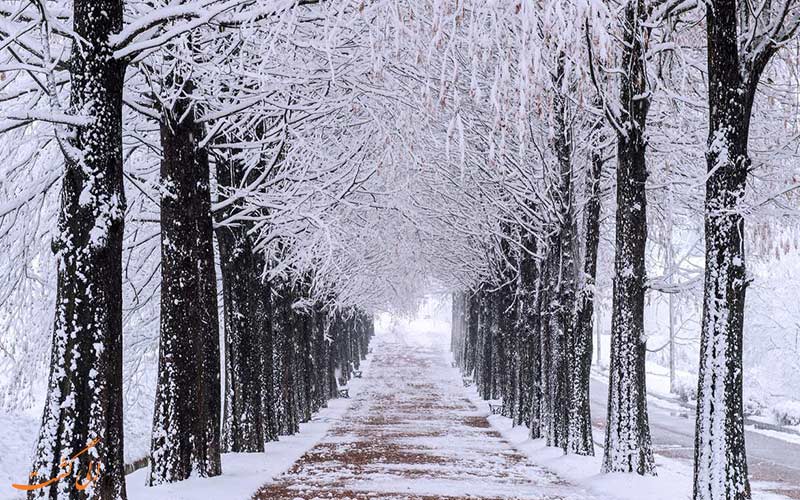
413, 434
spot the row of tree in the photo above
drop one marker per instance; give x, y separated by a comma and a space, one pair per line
525, 332
348, 154
285, 352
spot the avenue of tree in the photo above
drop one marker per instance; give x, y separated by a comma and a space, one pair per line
279, 170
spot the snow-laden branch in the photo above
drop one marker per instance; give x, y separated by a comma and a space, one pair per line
145, 33
51, 117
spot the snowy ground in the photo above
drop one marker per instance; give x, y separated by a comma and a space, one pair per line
16, 445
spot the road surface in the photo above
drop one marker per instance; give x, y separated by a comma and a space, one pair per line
770, 460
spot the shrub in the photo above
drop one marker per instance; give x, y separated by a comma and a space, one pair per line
786, 412
686, 390
753, 406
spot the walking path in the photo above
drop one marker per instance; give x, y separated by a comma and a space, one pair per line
412, 434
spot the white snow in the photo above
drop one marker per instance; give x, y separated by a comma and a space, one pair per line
16, 449
242, 473
783, 436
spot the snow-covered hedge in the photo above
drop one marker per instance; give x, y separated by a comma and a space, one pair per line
686, 389
786, 412
753, 406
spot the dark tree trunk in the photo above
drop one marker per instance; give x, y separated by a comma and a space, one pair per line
472, 332
323, 350
627, 442
463, 318
546, 410
330, 348
208, 318
284, 324
320, 395
266, 349
580, 419
529, 324
498, 365
720, 469
84, 390
306, 365
483, 369
562, 313
186, 418
462, 298
555, 334
241, 293
505, 343
456, 338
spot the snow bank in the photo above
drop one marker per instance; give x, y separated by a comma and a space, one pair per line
673, 482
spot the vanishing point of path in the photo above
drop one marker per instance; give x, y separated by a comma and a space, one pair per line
412, 434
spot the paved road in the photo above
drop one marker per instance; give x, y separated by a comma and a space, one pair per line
770, 460
412, 434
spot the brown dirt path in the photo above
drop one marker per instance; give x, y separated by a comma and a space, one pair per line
412, 434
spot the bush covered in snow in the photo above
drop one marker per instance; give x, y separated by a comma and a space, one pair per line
685, 389
753, 406
786, 412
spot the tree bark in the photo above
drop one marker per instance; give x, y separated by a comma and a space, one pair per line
208, 316
84, 390
265, 346
627, 443
473, 313
546, 297
580, 435
483, 371
563, 313
284, 328
306, 365
186, 418
243, 296
720, 470
530, 321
